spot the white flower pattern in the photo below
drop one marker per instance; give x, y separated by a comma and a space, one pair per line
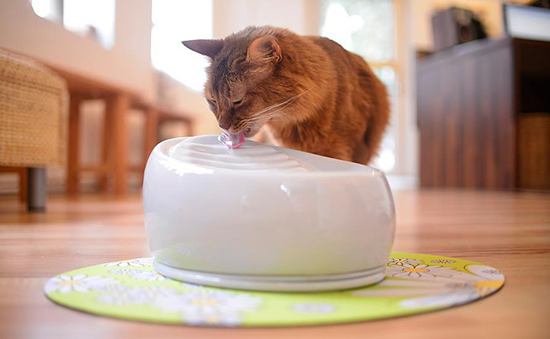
210, 307
419, 271
485, 272
314, 308
145, 261
443, 261
410, 284
436, 287
79, 283
127, 263
124, 296
403, 261
139, 274
442, 300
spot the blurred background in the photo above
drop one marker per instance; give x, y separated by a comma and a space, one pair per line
460, 73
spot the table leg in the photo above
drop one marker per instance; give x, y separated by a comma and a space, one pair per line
151, 132
73, 162
106, 152
22, 184
190, 128
118, 106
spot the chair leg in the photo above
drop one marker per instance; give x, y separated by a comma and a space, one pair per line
106, 146
118, 106
22, 185
151, 132
151, 135
190, 128
73, 163
36, 189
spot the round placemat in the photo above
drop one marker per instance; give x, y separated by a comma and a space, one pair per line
131, 289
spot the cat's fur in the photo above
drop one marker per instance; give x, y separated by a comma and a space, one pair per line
310, 93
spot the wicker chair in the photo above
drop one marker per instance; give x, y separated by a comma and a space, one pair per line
33, 122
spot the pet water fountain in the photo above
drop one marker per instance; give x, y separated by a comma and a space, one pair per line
261, 217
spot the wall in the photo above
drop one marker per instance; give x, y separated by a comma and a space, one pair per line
127, 65
300, 16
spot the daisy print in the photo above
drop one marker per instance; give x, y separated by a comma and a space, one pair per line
210, 307
485, 272
120, 271
79, 283
437, 301
135, 295
127, 263
403, 261
139, 274
419, 271
485, 287
149, 276
459, 285
144, 261
443, 261
313, 308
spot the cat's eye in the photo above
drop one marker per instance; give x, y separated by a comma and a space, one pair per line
237, 102
212, 104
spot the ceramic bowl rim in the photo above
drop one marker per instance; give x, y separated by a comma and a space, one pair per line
358, 169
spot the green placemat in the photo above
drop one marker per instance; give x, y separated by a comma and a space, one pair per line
131, 289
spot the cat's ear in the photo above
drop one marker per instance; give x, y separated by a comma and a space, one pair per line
264, 50
210, 48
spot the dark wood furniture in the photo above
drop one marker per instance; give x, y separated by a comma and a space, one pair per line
470, 100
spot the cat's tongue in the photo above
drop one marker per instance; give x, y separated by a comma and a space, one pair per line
232, 140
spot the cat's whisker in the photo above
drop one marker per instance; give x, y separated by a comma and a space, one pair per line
273, 110
267, 117
276, 113
271, 107
259, 120
268, 113
287, 101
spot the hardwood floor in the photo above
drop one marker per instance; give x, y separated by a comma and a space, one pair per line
510, 231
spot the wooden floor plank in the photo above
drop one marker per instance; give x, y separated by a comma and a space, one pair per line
510, 231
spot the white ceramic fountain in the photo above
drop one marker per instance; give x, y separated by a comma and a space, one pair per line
265, 218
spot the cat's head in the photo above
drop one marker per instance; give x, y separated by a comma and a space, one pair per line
244, 88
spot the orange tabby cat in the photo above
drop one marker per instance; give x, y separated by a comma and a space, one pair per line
308, 92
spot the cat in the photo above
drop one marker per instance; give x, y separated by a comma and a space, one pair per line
306, 92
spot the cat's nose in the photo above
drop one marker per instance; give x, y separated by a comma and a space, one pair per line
225, 124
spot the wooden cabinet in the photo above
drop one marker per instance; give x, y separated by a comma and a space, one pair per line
470, 100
